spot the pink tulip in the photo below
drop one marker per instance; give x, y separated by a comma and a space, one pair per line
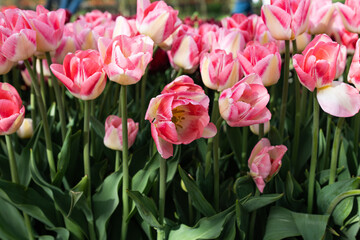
49, 26
350, 15
67, 45
96, 18
179, 118
113, 132
316, 68
321, 12
208, 35
156, 20
186, 50
354, 71
244, 104
241, 22
230, 40
125, 58
82, 74
18, 38
5, 64
182, 83
263, 60
125, 26
286, 19
12, 111
219, 70
265, 162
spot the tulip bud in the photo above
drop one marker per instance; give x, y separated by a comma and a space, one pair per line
26, 129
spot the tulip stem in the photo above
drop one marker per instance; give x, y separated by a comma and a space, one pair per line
5, 78
245, 131
42, 81
49, 150
162, 190
297, 117
253, 218
143, 96
15, 179
327, 145
179, 73
125, 164
59, 102
356, 134
216, 165
314, 153
261, 130
335, 150
285, 89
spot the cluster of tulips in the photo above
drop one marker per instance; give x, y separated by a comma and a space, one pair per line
234, 61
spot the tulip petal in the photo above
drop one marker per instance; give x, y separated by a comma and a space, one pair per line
209, 131
164, 148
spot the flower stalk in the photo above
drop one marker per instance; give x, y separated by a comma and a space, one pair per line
285, 88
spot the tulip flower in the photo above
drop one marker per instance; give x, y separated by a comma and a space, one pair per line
265, 162
96, 18
12, 111
126, 58
316, 68
82, 74
208, 35
49, 26
350, 15
219, 70
113, 132
244, 104
186, 50
255, 128
182, 83
230, 40
241, 22
179, 118
156, 20
26, 129
354, 71
286, 19
17, 37
263, 60
125, 26
321, 12
5, 64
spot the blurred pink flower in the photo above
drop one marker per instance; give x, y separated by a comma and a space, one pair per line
321, 12
350, 15
244, 104
265, 162
354, 71
113, 132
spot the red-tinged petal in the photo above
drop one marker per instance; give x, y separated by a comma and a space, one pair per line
339, 99
349, 18
269, 69
20, 46
93, 86
167, 131
209, 131
246, 66
264, 142
278, 22
58, 71
164, 148
354, 71
305, 78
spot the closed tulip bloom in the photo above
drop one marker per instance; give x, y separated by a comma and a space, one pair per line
156, 20
265, 162
241, 22
82, 74
113, 132
316, 68
186, 50
263, 60
125, 26
182, 83
255, 128
49, 26
208, 35
244, 104
286, 19
219, 70
126, 58
179, 118
321, 12
96, 18
230, 40
350, 15
26, 129
354, 71
12, 111
18, 38
5, 64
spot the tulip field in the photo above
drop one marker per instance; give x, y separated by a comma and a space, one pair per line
154, 126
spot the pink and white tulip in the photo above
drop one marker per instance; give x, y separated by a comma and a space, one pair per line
182, 83
241, 22
82, 74
230, 40
265, 162
350, 15
286, 19
26, 129
113, 132
354, 71
244, 104
179, 118
125, 58
263, 60
219, 70
321, 12
316, 68
125, 26
156, 20
12, 111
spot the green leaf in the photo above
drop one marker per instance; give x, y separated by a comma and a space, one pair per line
146, 208
283, 223
98, 127
197, 197
243, 187
254, 203
229, 230
12, 224
234, 138
206, 228
105, 201
242, 219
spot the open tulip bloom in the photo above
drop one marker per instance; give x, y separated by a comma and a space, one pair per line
316, 68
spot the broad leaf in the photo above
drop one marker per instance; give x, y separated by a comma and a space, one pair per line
254, 203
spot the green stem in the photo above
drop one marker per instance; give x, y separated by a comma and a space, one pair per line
261, 130
117, 161
59, 102
335, 150
304, 94
327, 145
42, 81
285, 89
216, 166
125, 165
356, 133
295, 150
5, 78
15, 179
253, 219
179, 73
32, 105
41, 105
191, 211
313, 154
214, 116
245, 133
143, 97
162, 190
